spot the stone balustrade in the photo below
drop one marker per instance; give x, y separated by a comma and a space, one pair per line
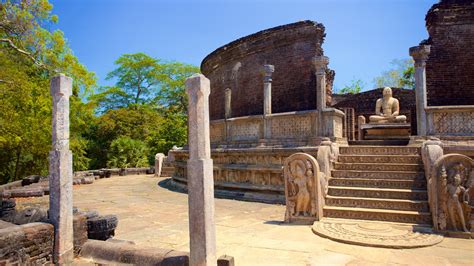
450, 120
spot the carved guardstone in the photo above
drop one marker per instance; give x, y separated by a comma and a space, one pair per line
303, 191
60, 172
454, 174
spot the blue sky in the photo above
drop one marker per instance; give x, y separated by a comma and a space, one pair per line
362, 36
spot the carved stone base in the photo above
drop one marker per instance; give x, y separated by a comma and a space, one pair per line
385, 131
376, 234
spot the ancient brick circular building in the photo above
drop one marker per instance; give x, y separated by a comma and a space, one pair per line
238, 66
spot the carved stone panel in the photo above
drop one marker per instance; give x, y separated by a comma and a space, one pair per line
454, 174
217, 131
291, 127
454, 123
304, 199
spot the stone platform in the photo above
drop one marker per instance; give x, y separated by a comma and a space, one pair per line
376, 234
384, 131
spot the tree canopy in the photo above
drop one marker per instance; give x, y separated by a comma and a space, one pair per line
402, 75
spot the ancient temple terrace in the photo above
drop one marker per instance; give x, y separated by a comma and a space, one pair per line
254, 233
277, 169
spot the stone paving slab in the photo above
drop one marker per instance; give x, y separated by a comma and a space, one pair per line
254, 233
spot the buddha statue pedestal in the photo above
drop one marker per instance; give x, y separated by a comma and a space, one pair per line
387, 123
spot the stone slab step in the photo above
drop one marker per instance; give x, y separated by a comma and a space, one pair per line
402, 159
386, 142
405, 175
377, 203
380, 150
385, 193
378, 183
377, 215
379, 167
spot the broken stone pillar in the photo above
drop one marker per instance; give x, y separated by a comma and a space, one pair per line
420, 55
60, 172
228, 103
320, 64
158, 163
200, 176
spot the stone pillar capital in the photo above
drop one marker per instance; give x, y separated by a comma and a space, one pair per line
420, 54
198, 86
267, 71
61, 85
320, 64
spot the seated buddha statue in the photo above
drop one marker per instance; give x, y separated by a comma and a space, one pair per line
387, 109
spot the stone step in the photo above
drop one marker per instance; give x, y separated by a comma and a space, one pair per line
405, 175
385, 193
402, 159
378, 183
377, 203
398, 216
385, 142
379, 167
380, 150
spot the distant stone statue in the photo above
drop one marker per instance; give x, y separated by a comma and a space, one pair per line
387, 109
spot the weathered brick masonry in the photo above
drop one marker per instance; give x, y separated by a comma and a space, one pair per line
237, 65
450, 66
364, 103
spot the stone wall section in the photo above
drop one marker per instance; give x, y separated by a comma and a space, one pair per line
237, 65
450, 67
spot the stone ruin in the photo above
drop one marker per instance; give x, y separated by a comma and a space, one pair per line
271, 99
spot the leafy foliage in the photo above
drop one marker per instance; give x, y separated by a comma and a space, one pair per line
400, 76
127, 152
356, 86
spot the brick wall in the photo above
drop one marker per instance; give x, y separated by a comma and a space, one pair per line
238, 65
450, 66
364, 103
28, 244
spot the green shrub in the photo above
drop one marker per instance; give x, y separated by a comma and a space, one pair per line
126, 152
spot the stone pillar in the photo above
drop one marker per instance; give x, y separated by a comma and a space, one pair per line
267, 100
60, 172
267, 88
200, 176
320, 64
228, 103
420, 55
158, 163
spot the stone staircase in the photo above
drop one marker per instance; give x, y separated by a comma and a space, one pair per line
167, 170
384, 183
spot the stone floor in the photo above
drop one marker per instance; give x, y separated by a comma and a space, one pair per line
253, 233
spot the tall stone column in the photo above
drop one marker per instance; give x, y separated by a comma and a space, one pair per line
320, 64
228, 103
60, 172
267, 100
200, 176
420, 55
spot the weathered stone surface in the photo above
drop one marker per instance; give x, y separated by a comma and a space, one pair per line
225, 260
376, 234
159, 163
200, 179
102, 227
106, 252
454, 194
30, 215
303, 189
60, 171
420, 55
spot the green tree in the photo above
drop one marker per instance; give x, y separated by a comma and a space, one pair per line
356, 86
30, 54
127, 152
400, 76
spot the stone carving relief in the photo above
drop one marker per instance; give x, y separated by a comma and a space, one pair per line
455, 193
453, 123
246, 130
217, 132
304, 198
338, 128
291, 127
